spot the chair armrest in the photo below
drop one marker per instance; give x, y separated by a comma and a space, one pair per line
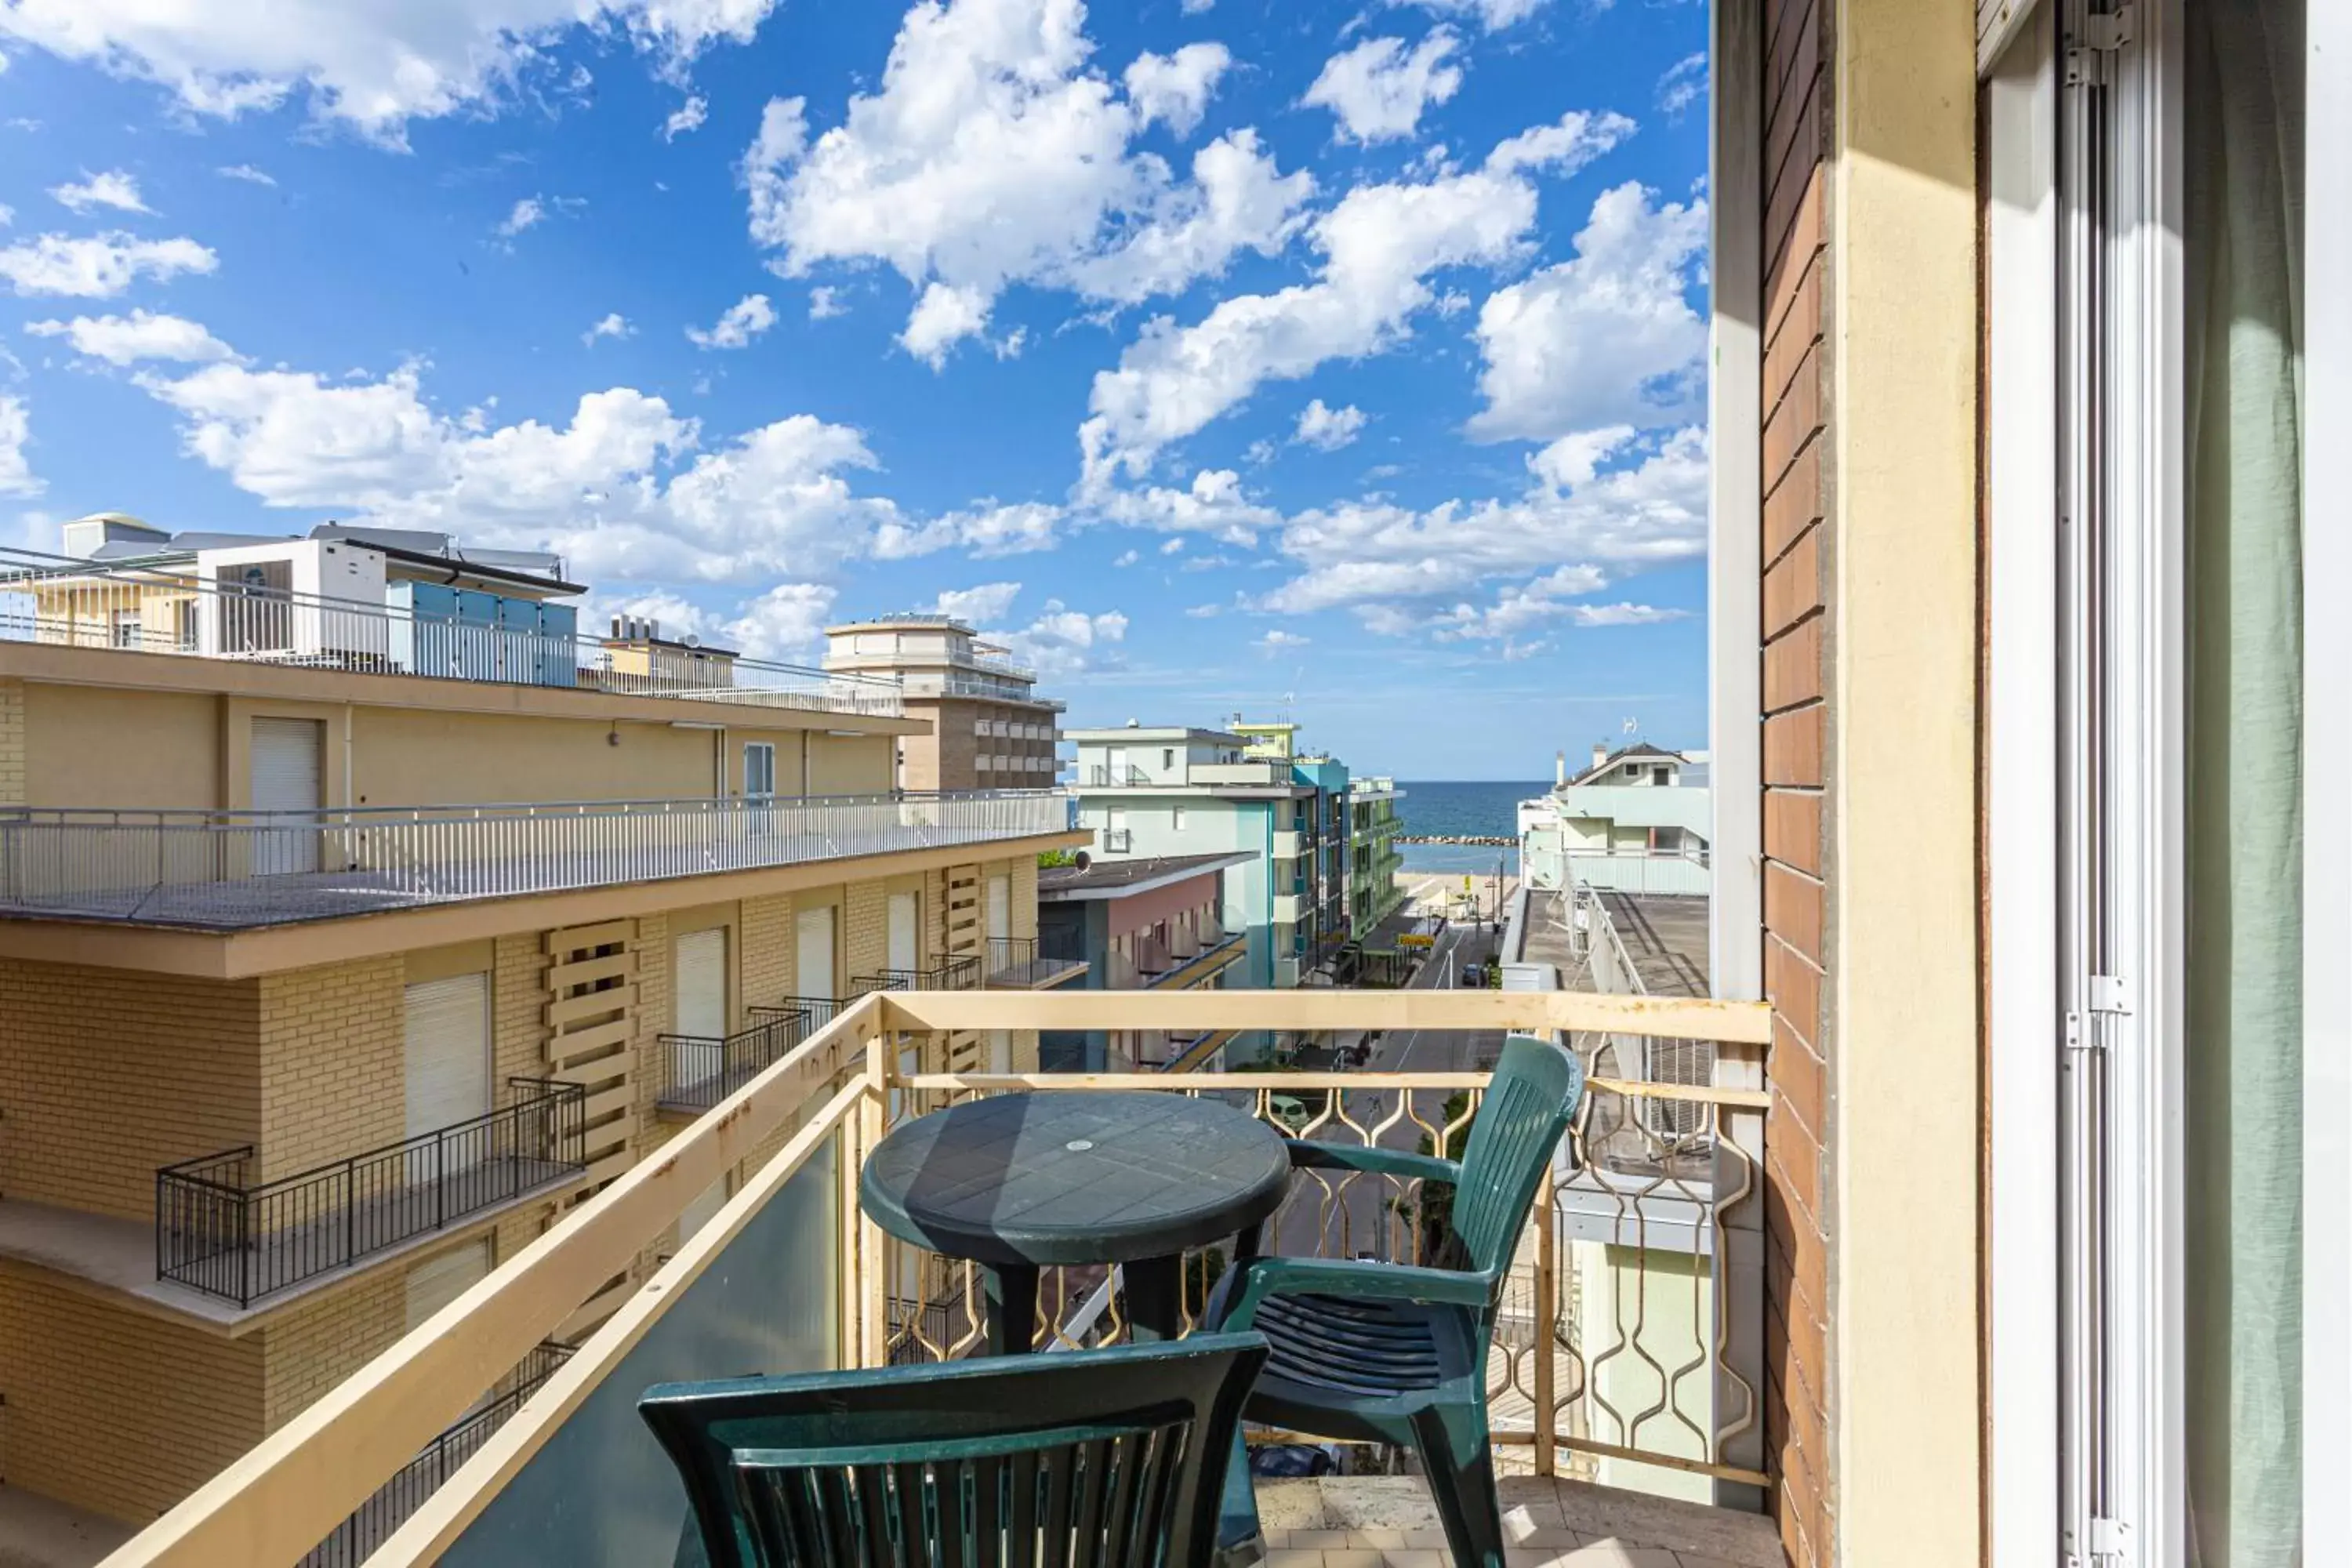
1262, 1277
1305, 1155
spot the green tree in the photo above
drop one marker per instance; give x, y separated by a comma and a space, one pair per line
1049, 858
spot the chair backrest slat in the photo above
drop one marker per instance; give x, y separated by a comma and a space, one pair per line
1528, 1105
1089, 1459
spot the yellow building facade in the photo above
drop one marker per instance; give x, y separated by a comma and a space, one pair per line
280, 1083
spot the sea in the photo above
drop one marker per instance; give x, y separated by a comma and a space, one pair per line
1478, 807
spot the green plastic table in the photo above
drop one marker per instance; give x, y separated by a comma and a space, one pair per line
1020, 1182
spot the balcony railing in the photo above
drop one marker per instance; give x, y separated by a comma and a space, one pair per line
231, 869
64, 602
1032, 962
1151, 965
700, 1070
945, 974
219, 1231
1100, 776
372, 1523
1629, 1329
1117, 840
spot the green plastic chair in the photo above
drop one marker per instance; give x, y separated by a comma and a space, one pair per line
1381, 1352
1109, 1458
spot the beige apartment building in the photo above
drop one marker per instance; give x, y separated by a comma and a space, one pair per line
985, 726
328, 981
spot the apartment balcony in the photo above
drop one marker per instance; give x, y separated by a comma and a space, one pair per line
1242, 774
1101, 775
1659, 873
918, 684
230, 871
1034, 963
56, 601
1148, 966
220, 1231
960, 973
700, 1070
1288, 845
1627, 1351
1289, 909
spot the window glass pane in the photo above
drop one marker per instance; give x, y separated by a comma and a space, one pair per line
2244, 189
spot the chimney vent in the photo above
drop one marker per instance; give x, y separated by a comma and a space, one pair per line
1560, 770
1599, 753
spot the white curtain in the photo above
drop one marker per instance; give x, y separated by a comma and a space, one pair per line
2244, 1132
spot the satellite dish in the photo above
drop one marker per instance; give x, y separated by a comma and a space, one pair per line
1082, 861
692, 639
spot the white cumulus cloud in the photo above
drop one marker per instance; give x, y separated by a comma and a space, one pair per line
1327, 428
1404, 570
687, 116
1380, 246
127, 339
980, 605
1062, 642
98, 267
1490, 14
113, 189
995, 153
736, 325
373, 65
1607, 337
614, 325
526, 212
247, 173
1378, 90
1175, 88
16, 476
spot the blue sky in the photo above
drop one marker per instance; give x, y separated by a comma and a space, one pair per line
1217, 355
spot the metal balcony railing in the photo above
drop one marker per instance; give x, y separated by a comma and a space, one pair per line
1103, 777
220, 1231
1629, 1330
700, 1070
372, 1525
1023, 962
1117, 840
231, 869
962, 974
66, 602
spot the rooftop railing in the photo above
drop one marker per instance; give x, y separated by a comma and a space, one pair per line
226, 870
221, 1231
64, 602
1622, 1350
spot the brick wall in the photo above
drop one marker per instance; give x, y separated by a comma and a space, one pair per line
106, 1074
114, 1411
865, 934
334, 1062
1798, 623
12, 741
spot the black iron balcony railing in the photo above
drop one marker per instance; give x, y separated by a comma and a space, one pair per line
700, 1070
946, 975
372, 1524
218, 1231
1026, 962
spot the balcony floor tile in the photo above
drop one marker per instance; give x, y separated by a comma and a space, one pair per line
1384, 1520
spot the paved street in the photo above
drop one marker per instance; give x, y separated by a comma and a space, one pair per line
1354, 1218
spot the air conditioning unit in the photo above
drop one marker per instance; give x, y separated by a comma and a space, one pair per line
296, 601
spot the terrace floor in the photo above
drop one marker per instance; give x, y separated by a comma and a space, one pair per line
1380, 1521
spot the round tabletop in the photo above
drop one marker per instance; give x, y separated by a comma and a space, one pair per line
1075, 1177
